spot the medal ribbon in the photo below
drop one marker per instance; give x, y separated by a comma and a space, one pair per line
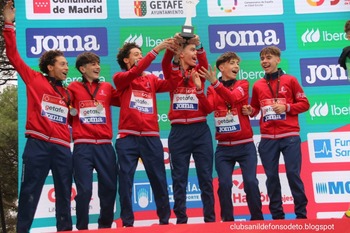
57, 91
229, 107
278, 86
186, 75
93, 94
229, 85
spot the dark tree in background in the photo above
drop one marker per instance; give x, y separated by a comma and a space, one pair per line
8, 140
9, 157
7, 72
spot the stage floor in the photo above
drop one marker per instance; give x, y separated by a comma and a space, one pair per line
266, 226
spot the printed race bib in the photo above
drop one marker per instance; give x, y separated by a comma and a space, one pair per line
54, 108
227, 122
267, 112
142, 101
185, 99
89, 114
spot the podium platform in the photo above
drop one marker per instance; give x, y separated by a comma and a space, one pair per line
266, 226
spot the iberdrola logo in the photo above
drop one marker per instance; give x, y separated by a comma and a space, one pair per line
227, 5
310, 36
140, 8
138, 39
319, 110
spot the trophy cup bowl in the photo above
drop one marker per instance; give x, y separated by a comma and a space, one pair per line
187, 31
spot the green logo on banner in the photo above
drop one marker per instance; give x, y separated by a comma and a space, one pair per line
147, 37
321, 35
325, 109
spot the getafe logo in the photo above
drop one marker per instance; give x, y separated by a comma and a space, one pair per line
140, 8
245, 37
151, 9
71, 41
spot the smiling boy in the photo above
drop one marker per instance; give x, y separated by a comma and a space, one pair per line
280, 98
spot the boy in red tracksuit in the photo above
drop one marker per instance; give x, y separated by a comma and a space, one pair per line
48, 138
234, 134
92, 136
190, 133
280, 99
138, 129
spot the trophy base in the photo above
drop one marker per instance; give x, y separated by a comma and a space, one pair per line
187, 32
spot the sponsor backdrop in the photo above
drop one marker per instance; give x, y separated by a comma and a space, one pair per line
310, 34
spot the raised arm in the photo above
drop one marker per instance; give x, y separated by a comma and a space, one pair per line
11, 47
123, 79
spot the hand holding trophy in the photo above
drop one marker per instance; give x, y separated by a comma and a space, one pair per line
187, 28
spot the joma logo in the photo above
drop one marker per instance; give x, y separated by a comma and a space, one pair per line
322, 72
71, 41
64, 43
245, 37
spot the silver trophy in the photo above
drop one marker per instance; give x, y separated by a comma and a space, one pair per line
187, 31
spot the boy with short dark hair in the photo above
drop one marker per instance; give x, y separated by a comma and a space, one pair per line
190, 133
92, 137
138, 129
234, 134
280, 98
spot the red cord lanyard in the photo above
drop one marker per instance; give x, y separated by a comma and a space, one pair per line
278, 86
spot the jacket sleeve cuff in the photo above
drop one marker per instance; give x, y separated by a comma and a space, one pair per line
199, 92
216, 84
154, 52
287, 107
9, 25
252, 113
